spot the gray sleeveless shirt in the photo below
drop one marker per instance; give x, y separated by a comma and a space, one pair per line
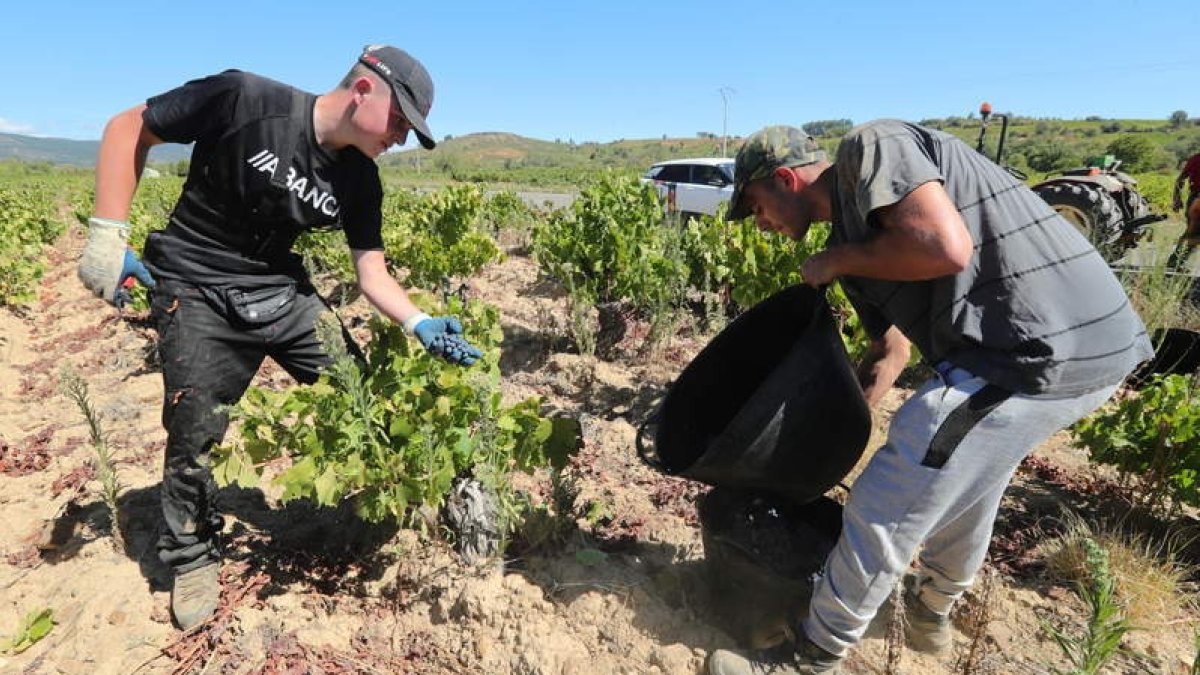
1037, 310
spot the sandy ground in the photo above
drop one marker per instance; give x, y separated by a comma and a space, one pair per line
310, 590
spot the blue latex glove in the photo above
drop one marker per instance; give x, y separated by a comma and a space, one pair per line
442, 336
131, 268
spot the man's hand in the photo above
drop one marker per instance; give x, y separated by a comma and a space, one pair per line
442, 336
882, 363
107, 261
819, 269
131, 269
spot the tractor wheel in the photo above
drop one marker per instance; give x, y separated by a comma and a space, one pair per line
1136, 208
1139, 207
1090, 208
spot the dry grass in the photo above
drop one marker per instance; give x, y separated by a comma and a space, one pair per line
1150, 581
1161, 298
975, 612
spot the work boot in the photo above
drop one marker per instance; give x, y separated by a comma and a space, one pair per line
925, 630
803, 658
195, 596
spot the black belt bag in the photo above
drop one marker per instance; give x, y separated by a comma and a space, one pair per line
256, 307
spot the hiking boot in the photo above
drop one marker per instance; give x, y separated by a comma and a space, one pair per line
195, 596
803, 658
925, 630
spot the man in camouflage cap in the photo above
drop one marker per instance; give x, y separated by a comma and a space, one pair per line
1023, 322
765, 151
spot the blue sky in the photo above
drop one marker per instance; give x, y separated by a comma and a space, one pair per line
617, 69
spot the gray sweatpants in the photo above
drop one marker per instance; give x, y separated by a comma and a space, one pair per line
935, 485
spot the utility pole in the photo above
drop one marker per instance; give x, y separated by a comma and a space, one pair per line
725, 93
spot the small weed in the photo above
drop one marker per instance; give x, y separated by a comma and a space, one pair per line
894, 639
976, 617
33, 627
76, 389
1107, 623
1195, 670
581, 325
546, 526
598, 512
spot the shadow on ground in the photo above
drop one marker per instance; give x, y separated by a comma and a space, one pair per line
330, 549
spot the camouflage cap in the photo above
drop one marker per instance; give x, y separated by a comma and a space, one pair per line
764, 151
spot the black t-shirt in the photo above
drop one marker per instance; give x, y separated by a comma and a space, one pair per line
231, 226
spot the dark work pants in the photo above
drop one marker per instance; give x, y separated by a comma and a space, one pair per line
208, 362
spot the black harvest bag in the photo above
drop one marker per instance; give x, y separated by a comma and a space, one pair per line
771, 404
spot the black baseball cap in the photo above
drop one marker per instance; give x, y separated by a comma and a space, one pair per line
410, 83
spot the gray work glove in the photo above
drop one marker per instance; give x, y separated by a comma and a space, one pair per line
107, 261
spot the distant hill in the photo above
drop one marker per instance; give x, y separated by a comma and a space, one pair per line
1035, 145
498, 150
508, 159
488, 150
77, 153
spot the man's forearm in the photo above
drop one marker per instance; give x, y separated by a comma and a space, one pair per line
877, 378
390, 299
883, 362
380, 289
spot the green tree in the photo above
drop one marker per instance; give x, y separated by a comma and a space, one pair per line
1179, 118
1137, 153
1045, 154
827, 127
1183, 147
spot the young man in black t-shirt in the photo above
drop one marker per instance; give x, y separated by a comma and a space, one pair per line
269, 162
